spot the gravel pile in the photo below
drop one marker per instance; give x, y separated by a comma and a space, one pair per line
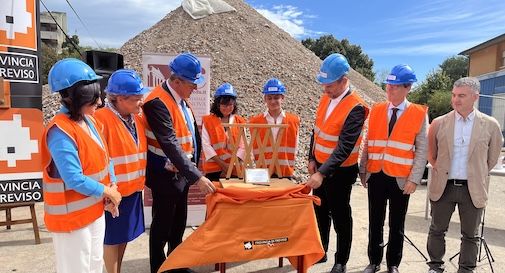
246, 49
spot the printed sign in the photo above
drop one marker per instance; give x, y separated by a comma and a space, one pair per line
21, 121
20, 159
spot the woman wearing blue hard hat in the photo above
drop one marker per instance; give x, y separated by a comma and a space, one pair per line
216, 138
124, 133
77, 173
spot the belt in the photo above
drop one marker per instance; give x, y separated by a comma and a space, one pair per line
457, 182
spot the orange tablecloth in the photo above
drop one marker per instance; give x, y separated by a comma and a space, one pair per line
253, 223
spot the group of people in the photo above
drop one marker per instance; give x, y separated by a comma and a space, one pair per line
99, 160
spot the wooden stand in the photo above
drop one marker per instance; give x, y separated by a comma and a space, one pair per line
9, 222
251, 162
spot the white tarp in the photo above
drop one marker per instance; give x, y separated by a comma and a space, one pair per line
198, 9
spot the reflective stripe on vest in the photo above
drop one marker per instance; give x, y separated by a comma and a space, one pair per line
393, 154
72, 206
327, 130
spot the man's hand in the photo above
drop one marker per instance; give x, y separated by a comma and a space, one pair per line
312, 167
205, 185
315, 180
362, 178
410, 187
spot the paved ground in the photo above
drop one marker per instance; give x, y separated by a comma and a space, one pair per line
19, 254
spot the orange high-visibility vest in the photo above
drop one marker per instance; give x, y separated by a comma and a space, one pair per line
66, 210
128, 156
182, 132
327, 133
219, 141
287, 148
394, 154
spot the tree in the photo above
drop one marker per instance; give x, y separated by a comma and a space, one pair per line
49, 57
380, 76
455, 67
327, 44
435, 90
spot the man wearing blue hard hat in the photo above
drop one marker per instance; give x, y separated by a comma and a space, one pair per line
173, 152
392, 165
273, 96
124, 133
333, 157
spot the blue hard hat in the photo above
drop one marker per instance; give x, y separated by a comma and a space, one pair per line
188, 67
67, 72
273, 87
125, 82
225, 89
333, 68
401, 74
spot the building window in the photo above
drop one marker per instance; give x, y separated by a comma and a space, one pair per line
503, 59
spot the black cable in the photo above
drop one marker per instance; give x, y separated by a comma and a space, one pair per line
68, 38
84, 25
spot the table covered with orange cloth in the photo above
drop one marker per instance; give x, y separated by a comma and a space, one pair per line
249, 223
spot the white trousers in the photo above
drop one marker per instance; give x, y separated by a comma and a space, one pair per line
80, 251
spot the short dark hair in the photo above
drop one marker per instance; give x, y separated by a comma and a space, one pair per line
78, 95
214, 109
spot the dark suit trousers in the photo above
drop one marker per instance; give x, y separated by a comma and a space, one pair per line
335, 194
470, 218
382, 188
167, 228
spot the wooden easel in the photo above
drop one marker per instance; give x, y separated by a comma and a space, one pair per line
249, 159
9, 222
251, 162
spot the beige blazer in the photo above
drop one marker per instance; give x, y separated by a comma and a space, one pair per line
485, 146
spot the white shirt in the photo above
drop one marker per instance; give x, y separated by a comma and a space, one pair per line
178, 100
462, 133
209, 151
401, 108
275, 131
334, 102
272, 120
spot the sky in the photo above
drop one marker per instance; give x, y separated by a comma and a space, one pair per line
419, 33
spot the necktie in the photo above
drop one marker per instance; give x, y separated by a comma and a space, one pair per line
190, 125
392, 121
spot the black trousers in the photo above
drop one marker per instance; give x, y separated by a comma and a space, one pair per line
167, 228
382, 188
335, 194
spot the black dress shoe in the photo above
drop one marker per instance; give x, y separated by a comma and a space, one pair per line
393, 269
338, 268
323, 259
372, 268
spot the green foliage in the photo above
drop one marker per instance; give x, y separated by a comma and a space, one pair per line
49, 57
327, 44
435, 90
455, 67
440, 103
